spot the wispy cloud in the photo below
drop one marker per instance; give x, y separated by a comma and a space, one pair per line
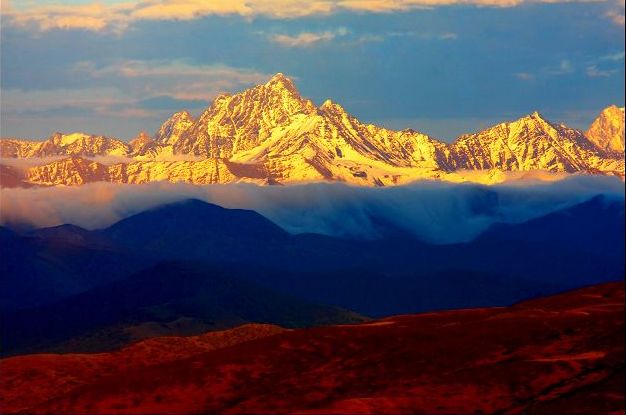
132, 89
594, 72
448, 36
565, 67
15, 101
604, 66
423, 35
381, 37
116, 16
614, 57
616, 16
80, 102
307, 39
525, 76
616, 12
177, 79
594, 68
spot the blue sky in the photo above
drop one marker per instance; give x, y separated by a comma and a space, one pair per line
443, 67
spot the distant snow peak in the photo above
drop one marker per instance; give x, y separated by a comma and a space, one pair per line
271, 134
67, 139
172, 129
333, 107
281, 81
142, 137
607, 131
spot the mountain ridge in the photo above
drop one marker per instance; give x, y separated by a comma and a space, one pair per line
566, 350
607, 131
395, 272
273, 131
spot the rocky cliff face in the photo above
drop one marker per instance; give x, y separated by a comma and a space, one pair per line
172, 129
243, 121
76, 171
607, 131
530, 143
270, 134
75, 144
71, 171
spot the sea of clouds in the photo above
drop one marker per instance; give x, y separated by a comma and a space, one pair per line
437, 212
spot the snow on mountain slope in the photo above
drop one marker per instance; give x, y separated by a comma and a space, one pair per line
71, 171
59, 144
18, 148
76, 171
270, 134
530, 143
243, 121
607, 131
172, 129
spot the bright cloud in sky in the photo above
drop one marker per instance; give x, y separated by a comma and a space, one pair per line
118, 15
305, 39
616, 12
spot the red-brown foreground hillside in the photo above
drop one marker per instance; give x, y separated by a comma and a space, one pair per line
561, 354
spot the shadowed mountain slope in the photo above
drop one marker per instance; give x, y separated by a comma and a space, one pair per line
393, 274
190, 266
179, 297
591, 226
194, 228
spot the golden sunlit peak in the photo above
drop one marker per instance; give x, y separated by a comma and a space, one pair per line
288, 139
183, 114
331, 106
279, 76
281, 79
328, 104
143, 136
533, 117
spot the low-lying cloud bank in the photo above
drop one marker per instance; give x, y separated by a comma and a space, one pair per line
434, 211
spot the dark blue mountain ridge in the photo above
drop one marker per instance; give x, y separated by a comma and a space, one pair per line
595, 225
576, 246
184, 296
191, 220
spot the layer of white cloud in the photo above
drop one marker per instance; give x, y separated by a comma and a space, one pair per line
435, 211
117, 16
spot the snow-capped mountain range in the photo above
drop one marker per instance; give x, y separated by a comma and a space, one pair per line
270, 134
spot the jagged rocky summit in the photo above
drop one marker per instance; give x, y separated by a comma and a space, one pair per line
271, 134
